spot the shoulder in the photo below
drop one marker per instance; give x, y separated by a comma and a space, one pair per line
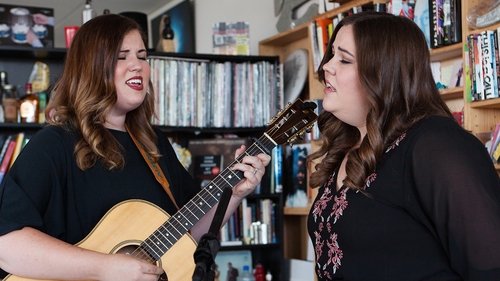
52, 138
51, 131
441, 132
439, 146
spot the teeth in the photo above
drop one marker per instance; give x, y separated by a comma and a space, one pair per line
134, 81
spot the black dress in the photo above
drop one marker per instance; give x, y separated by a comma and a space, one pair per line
46, 190
431, 212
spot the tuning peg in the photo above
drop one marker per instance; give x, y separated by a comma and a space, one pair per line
309, 128
309, 105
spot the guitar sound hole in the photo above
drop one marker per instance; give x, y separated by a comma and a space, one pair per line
131, 250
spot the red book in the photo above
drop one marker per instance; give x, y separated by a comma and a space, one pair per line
323, 23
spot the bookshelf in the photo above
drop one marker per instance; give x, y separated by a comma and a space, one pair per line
479, 116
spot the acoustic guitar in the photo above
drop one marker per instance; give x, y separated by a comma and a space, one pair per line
142, 229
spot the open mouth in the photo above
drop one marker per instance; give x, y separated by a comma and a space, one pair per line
330, 87
135, 83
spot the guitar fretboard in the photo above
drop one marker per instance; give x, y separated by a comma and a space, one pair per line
158, 243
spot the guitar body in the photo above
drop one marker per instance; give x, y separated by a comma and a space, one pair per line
128, 224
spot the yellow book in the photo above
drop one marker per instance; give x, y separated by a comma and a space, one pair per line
496, 153
19, 146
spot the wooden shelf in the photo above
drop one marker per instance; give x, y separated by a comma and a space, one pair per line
20, 126
452, 93
300, 31
486, 104
33, 53
344, 8
287, 37
446, 52
296, 211
211, 57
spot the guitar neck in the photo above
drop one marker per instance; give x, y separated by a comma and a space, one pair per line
158, 243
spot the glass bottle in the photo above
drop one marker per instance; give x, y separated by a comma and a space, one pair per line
88, 12
167, 35
9, 102
28, 106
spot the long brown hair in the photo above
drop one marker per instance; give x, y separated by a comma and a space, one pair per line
394, 67
86, 92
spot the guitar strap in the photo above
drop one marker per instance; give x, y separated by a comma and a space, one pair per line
155, 168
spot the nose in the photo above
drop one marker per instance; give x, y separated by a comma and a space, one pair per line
135, 65
328, 66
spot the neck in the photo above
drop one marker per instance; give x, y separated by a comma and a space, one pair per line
115, 124
362, 133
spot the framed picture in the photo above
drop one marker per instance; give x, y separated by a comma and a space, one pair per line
230, 263
26, 26
182, 24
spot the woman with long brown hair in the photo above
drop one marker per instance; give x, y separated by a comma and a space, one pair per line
404, 192
98, 150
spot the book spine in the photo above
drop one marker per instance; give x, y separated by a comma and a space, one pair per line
478, 67
494, 61
4, 167
496, 64
17, 150
456, 22
487, 65
447, 22
467, 70
5, 144
433, 23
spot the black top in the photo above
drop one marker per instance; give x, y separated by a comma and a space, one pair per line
46, 190
431, 212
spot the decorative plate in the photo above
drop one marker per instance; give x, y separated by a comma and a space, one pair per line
295, 74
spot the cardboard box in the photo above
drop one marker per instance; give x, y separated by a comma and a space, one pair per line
26, 26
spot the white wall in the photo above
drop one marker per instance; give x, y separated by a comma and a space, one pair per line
259, 14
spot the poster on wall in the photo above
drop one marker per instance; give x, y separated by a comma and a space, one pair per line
173, 29
26, 26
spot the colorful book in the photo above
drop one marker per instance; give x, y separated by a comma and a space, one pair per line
17, 150
4, 166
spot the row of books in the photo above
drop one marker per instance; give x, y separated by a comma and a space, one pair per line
482, 65
439, 21
11, 145
199, 93
445, 22
253, 223
321, 29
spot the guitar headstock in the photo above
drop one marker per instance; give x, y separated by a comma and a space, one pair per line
292, 122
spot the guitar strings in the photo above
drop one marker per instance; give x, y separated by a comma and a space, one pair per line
219, 182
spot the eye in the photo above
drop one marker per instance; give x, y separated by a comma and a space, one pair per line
343, 61
122, 56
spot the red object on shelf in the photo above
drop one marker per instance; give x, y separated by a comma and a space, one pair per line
259, 273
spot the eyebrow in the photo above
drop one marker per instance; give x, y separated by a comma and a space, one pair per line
128, 51
345, 51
